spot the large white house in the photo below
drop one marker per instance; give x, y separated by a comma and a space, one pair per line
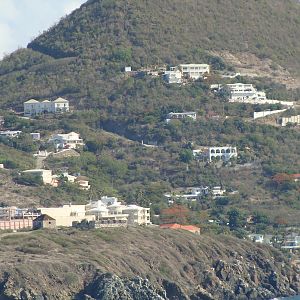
111, 208
195, 71
70, 140
221, 153
33, 107
241, 91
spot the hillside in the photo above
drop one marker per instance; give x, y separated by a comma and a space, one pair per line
140, 264
82, 58
83, 55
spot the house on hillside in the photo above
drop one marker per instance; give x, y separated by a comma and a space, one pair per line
70, 140
194, 71
10, 133
109, 208
67, 214
83, 182
180, 116
221, 153
190, 228
293, 120
33, 107
44, 221
241, 91
173, 76
46, 175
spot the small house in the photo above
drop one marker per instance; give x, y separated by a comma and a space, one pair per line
44, 221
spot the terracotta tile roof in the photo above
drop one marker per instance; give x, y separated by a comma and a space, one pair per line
191, 228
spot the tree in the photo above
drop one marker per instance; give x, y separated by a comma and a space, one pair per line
235, 219
186, 155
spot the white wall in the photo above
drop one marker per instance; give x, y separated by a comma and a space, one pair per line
261, 114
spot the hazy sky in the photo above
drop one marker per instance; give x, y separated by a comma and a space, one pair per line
22, 20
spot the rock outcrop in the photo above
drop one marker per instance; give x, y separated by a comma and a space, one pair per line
141, 264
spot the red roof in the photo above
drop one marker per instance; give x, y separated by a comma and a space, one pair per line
178, 226
296, 176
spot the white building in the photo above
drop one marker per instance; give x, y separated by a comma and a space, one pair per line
290, 120
110, 207
67, 214
218, 191
241, 91
173, 76
10, 133
190, 194
70, 140
81, 181
180, 116
46, 175
33, 107
221, 153
35, 135
195, 71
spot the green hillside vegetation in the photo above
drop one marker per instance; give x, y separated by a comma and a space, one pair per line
82, 59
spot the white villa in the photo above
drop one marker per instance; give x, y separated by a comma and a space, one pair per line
70, 140
109, 208
215, 153
184, 115
33, 107
221, 153
107, 212
194, 71
241, 91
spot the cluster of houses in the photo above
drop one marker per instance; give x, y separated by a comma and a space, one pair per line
289, 242
104, 213
34, 108
55, 180
180, 74
246, 93
196, 193
17, 133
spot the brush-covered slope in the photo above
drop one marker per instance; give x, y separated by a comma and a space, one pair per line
82, 56
140, 264
174, 30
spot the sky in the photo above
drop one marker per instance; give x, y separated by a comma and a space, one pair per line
23, 20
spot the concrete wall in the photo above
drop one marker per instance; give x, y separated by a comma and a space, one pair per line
15, 224
284, 103
262, 114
